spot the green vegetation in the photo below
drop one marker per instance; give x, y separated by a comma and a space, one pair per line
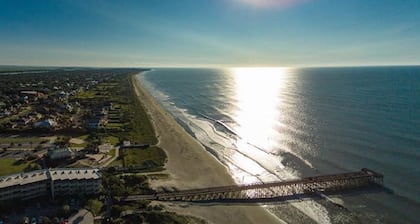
77, 165
83, 137
95, 206
21, 140
126, 184
158, 176
150, 157
112, 152
11, 166
145, 160
112, 140
98, 107
86, 94
126, 119
32, 166
83, 144
104, 108
117, 163
65, 210
144, 212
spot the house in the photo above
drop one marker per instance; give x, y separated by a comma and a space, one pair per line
126, 143
23, 122
48, 123
97, 122
108, 105
94, 123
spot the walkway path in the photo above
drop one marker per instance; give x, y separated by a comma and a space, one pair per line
82, 217
117, 153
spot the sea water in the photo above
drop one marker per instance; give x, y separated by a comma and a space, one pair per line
267, 124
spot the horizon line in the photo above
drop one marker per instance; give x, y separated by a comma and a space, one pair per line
206, 66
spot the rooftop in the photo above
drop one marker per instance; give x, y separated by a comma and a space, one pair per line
74, 174
23, 178
49, 174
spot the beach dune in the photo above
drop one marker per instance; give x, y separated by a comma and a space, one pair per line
191, 166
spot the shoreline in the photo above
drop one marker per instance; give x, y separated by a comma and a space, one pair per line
190, 166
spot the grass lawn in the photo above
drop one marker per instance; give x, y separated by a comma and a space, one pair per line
114, 125
112, 140
86, 94
21, 140
83, 137
76, 164
83, 145
158, 176
112, 152
9, 166
138, 157
116, 163
138, 129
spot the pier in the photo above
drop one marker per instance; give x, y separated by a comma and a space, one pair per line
365, 178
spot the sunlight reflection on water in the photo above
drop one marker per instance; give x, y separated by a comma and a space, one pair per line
257, 91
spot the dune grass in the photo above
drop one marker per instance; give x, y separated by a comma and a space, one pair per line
141, 157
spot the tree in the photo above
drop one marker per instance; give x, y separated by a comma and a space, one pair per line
38, 148
46, 220
25, 220
94, 206
116, 211
65, 210
32, 166
30, 156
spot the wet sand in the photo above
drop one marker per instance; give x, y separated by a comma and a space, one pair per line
191, 166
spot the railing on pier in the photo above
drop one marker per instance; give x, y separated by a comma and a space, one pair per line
327, 183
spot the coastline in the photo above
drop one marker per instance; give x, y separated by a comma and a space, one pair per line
190, 166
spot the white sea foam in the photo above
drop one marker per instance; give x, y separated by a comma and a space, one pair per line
313, 210
246, 164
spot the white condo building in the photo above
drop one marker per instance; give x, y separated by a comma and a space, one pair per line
50, 182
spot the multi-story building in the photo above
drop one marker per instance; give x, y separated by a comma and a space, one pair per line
50, 182
75, 181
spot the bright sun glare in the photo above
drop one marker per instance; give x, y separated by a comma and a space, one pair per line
257, 93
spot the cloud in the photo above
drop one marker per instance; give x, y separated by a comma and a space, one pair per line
271, 3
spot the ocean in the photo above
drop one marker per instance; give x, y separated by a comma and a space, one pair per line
286, 123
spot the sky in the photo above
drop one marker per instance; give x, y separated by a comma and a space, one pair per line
209, 33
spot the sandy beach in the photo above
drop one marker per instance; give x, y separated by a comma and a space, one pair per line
191, 166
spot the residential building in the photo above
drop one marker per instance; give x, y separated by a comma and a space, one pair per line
48, 123
50, 182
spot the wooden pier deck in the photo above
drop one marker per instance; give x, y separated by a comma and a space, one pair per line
327, 183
